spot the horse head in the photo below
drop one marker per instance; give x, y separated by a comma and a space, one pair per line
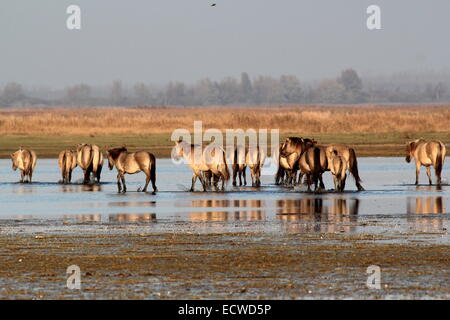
14, 161
178, 150
286, 148
113, 154
410, 146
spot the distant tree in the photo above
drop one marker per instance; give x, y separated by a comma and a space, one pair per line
291, 90
117, 95
142, 94
175, 93
12, 92
229, 91
330, 91
79, 94
352, 84
206, 92
267, 90
439, 91
246, 88
350, 80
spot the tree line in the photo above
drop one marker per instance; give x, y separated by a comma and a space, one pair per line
347, 88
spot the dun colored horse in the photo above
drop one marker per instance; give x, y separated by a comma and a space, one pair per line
314, 163
67, 161
131, 163
239, 165
25, 161
426, 154
350, 156
254, 159
202, 159
290, 152
90, 159
338, 168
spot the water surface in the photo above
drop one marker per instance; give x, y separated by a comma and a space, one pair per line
390, 203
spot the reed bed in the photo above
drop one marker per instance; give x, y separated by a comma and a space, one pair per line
103, 121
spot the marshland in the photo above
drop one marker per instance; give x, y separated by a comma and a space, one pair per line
375, 130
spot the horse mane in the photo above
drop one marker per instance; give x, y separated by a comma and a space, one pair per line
115, 153
296, 139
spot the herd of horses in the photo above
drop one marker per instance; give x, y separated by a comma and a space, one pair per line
299, 158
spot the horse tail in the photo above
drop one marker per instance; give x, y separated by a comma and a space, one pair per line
224, 167
440, 158
353, 167
63, 164
95, 156
235, 163
152, 168
316, 164
280, 174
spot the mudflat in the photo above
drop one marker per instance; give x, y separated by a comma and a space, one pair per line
130, 265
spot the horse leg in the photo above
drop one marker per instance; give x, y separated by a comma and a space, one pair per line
22, 176
87, 176
335, 183
417, 172
240, 178
252, 173
119, 186
245, 176
223, 182
438, 175
202, 181
194, 178
322, 185
308, 181
99, 172
235, 173
122, 176
429, 175
147, 180
70, 176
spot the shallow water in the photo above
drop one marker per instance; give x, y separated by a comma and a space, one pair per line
390, 203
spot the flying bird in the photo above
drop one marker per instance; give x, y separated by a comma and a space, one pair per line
213, 5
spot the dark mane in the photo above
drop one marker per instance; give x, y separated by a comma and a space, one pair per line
115, 153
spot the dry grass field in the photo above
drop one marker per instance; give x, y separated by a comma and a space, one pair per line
382, 129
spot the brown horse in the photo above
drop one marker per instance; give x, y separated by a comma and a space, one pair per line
131, 163
426, 154
350, 156
25, 161
254, 159
202, 159
239, 165
290, 152
338, 168
90, 160
313, 163
67, 161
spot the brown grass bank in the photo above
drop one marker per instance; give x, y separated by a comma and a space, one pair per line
308, 119
366, 125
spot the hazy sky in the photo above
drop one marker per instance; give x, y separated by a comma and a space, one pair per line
156, 41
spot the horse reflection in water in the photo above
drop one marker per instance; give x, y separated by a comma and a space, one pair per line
81, 187
114, 218
318, 215
423, 213
132, 218
252, 211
